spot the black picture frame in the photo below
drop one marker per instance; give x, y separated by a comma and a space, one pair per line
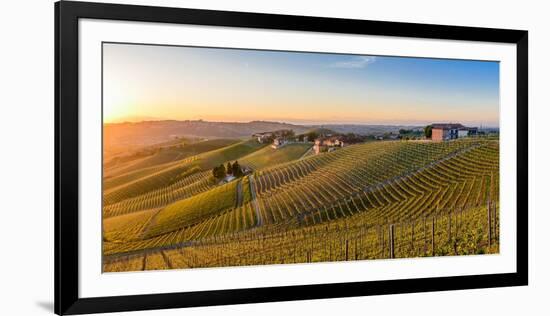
67, 15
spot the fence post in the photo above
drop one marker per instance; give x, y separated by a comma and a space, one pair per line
425, 236
495, 223
383, 243
412, 236
391, 242
456, 224
433, 236
450, 227
489, 235
347, 250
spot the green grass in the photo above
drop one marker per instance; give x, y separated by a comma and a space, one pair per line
268, 156
126, 227
174, 153
247, 196
153, 178
230, 153
188, 186
192, 210
148, 183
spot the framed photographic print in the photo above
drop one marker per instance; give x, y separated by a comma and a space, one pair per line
208, 157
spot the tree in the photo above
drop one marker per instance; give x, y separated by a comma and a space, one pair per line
405, 131
219, 172
289, 133
428, 131
312, 136
229, 168
237, 171
222, 172
215, 172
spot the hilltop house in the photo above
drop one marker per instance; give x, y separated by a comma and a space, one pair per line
448, 131
268, 137
279, 142
328, 143
264, 137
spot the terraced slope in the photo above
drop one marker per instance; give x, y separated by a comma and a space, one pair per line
155, 178
170, 154
189, 186
322, 180
371, 184
268, 156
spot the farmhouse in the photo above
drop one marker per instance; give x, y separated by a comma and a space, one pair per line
268, 137
328, 143
279, 142
448, 131
265, 137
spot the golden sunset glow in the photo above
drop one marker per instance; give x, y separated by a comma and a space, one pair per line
181, 83
246, 157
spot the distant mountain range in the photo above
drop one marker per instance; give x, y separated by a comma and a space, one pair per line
152, 132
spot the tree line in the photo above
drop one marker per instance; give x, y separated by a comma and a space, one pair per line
222, 171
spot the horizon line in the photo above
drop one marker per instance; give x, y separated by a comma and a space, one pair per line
298, 123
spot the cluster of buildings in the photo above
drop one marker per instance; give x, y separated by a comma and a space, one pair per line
449, 131
282, 137
265, 137
328, 143
279, 138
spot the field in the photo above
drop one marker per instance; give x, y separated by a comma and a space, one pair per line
368, 200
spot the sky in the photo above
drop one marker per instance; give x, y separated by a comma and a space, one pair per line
148, 82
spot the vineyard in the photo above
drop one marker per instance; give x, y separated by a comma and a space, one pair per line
166, 154
269, 156
379, 199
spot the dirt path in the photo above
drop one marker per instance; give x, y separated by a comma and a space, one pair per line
151, 222
259, 220
239, 199
167, 260
306, 153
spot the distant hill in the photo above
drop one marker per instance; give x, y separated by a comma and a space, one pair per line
152, 132
321, 131
367, 129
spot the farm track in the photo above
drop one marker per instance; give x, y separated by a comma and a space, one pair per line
306, 153
239, 199
150, 223
167, 260
252, 181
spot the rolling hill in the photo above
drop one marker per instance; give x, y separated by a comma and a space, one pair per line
302, 206
170, 152
153, 132
268, 156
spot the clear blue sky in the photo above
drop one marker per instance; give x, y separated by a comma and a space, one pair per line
162, 82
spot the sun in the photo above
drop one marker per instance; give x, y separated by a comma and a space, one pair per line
117, 105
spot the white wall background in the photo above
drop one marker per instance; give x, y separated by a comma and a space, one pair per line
26, 157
